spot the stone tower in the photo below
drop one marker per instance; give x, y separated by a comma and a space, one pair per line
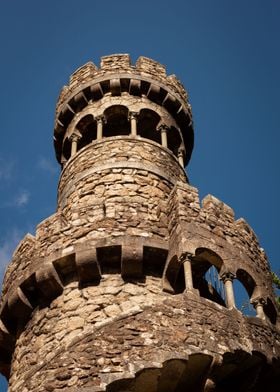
128, 286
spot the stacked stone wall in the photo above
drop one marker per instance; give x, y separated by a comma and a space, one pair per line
23, 257
104, 211
123, 152
134, 203
74, 313
213, 226
124, 324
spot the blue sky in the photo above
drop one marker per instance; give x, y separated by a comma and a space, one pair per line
225, 52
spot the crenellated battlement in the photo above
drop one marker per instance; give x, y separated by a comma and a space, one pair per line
121, 63
207, 234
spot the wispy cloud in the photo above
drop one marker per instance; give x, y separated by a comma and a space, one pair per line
6, 168
22, 199
47, 165
7, 247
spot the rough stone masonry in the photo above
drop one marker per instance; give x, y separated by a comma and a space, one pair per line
129, 285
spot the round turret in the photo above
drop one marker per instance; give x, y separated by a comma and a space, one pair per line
121, 99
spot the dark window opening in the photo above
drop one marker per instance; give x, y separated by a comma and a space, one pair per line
116, 121
87, 128
206, 266
147, 125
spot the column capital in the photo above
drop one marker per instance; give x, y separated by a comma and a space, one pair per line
181, 151
227, 275
258, 301
75, 136
100, 119
163, 127
133, 115
185, 256
181, 156
63, 160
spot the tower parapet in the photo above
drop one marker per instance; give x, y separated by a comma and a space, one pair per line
99, 97
132, 278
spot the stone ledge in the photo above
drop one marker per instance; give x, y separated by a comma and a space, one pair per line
126, 163
45, 280
97, 82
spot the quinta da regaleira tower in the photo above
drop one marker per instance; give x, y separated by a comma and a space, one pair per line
129, 285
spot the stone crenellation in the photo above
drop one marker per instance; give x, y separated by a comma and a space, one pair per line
121, 63
130, 284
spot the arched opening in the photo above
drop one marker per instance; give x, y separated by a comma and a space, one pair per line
147, 125
270, 311
174, 140
242, 299
206, 266
87, 127
66, 149
174, 281
244, 286
116, 121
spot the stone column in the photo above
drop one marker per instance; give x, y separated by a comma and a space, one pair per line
258, 304
163, 128
63, 161
188, 272
133, 123
227, 278
100, 121
181, 157
74, 142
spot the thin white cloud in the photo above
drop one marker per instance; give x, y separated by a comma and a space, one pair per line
47, 165
21, 199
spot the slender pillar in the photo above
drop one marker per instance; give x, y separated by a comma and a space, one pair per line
163, 128
181, 157
63, 161
100, 122
258, 304
227, 278
133, 123
74, 145
188, 272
